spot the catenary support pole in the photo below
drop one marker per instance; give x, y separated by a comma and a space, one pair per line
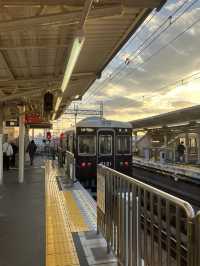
21, 143
198, 147
1, 147
165, 140
186, 147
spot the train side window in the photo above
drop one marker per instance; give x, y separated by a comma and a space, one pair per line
123, 145
86, 145
105, 144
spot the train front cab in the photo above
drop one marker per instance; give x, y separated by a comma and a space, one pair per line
108, 146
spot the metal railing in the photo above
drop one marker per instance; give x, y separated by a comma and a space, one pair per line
69, 166
61, 157
197, 239
143, 225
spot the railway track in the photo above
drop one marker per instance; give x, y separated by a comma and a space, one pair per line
182, 188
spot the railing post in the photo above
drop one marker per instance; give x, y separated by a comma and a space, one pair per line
74, 169
197, 240
192, 228
70, 166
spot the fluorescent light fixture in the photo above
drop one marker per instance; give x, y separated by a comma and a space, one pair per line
73, 57
76, 96
75, 51
58, 102
54, 116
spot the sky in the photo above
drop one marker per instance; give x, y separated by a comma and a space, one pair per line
158, 57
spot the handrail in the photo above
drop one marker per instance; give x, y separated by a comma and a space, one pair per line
142, 224
184, 204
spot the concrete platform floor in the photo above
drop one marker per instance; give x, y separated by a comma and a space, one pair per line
22, 218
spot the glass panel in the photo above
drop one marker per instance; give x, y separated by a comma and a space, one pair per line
123, 144
105, 144
87, 145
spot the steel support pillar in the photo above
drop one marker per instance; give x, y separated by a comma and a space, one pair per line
1, 147
186, 147
165, 141
21, 143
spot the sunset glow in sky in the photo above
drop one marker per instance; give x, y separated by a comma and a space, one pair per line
140, 89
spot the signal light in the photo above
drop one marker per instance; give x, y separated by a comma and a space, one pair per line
126, 163
49, 135
83, 164
89, 164
48, 102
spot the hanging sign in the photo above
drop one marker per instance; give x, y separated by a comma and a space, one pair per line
33, 119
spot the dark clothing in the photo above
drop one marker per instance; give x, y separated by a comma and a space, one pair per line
31, 149
181, 149
15, 151
6, 162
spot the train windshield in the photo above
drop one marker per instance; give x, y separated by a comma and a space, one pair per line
105, 144
87, 145
123, 144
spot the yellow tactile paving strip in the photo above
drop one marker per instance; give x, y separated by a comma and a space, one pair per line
76, 220
60, 249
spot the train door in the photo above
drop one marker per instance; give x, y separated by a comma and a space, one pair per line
106, 148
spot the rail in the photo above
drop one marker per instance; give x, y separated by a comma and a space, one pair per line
143, 225
69, 166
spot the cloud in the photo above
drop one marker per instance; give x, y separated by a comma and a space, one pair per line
182, 104
122, 102
149, 78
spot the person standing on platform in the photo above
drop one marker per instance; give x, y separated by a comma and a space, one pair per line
15, 151
7, 153
31, 149
181, 151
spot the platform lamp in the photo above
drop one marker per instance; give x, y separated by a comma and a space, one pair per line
77, 46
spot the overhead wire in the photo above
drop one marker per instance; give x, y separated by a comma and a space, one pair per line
121, 66
182, 81
155, 38
146, 22
185, 80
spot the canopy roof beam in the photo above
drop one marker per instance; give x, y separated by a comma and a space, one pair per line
73, 3
14, 96
70, 18
46, 79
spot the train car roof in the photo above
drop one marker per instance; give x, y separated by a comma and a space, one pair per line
98, 122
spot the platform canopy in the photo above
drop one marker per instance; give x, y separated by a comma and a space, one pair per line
61, 46
190, 116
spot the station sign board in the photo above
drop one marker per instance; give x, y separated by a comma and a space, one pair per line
36, 121
12, 123
33, 119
